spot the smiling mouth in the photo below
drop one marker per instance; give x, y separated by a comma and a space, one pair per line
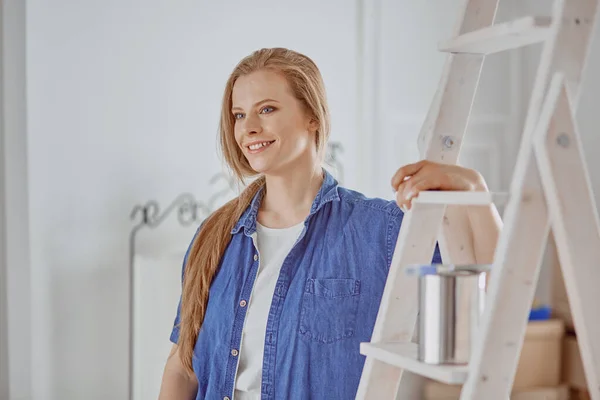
259, 146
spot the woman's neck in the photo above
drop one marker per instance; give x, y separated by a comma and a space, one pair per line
288, 199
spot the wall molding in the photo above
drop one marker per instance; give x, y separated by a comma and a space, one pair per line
15, 256
4, 390
368, 43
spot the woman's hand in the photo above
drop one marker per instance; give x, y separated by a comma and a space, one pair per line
411, 179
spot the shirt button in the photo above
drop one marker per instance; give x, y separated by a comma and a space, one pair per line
256, 257
234, 352
225, 398
243, 303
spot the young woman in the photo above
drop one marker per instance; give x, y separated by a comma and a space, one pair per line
281, 284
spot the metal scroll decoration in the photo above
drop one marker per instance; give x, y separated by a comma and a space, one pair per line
189, 211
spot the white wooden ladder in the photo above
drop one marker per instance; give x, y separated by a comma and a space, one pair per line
550, 189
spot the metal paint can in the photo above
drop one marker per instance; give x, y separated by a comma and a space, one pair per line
451, 302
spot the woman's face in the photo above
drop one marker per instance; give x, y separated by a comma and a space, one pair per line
272, 128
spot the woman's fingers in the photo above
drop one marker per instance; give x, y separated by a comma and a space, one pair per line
412, 188
406, 172
412, 179
408, 190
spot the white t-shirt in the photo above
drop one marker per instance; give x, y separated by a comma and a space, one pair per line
273, 247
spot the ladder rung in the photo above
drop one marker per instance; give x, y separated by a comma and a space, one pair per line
499, 37
404, 355
460, 198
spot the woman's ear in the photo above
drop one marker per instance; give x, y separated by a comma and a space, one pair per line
313, 125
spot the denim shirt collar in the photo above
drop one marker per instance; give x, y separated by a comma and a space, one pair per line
328, 192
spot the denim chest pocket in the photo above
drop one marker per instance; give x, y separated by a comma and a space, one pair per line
329, 309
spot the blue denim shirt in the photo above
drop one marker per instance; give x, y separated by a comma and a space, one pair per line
325, 302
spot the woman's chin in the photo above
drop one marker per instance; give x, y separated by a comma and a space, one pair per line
260, 167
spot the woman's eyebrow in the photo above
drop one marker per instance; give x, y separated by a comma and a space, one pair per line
257, 104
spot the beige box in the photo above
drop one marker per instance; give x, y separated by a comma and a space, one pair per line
580, 394
559, 300
541, 355
439, 391
572, 368
538, 372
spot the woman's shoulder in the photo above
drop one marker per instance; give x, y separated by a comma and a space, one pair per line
370, 205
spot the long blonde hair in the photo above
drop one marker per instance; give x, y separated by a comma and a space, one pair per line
206, 251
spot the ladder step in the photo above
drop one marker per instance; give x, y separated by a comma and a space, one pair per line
404, 355
461, 198
500, 37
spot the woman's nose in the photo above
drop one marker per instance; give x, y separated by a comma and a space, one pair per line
252, 125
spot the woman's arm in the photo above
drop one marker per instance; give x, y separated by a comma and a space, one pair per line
486, 225
177, 384
485, 221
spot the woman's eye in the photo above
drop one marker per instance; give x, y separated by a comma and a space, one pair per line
267, 110
237, 115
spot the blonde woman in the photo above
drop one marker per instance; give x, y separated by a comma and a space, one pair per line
281, 284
